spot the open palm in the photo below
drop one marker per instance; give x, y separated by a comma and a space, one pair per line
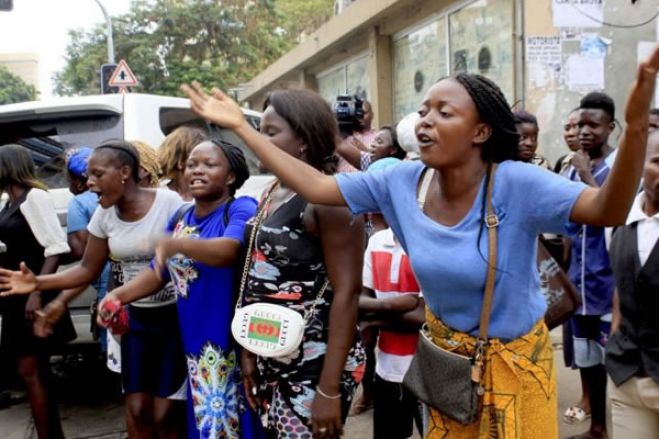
17, 282
216, 107
642, 94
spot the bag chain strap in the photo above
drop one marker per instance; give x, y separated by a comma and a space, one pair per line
248, 258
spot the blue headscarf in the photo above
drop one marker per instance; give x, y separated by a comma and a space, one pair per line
76, 162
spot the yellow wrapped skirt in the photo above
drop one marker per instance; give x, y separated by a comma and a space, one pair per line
520, 387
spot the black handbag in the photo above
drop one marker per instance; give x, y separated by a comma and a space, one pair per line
448, 382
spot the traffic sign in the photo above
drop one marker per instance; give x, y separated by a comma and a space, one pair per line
123, 76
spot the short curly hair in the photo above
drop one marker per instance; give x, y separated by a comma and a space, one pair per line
176, 147
148, 161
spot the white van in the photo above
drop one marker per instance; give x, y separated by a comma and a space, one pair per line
49, 128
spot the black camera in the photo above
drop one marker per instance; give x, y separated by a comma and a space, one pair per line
349, 113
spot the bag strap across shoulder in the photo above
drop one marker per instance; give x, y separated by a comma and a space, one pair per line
492, 224
423, 188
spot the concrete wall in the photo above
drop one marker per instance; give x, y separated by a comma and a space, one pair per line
365, 26
24, 65
547, 88
539, 80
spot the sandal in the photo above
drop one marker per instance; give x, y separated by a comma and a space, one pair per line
574, 415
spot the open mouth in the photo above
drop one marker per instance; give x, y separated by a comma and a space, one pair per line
424, 140
100, 196
197, 182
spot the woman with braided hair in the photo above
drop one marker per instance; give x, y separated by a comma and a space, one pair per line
465, 127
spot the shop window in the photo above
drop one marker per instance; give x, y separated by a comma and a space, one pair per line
419, 61
349, 78
357, 77
481, 36
332, 83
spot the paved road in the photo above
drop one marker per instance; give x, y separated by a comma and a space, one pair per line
88, 412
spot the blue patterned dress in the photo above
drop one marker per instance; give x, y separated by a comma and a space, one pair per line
216, 404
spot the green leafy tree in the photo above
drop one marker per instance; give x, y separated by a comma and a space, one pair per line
168, 42
13, 89
301, 18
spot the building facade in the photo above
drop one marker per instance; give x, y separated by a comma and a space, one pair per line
544, 54
23, 65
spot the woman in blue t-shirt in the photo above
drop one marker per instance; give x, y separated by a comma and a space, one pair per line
199, 259
466, 125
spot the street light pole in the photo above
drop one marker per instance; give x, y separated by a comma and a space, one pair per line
108, 22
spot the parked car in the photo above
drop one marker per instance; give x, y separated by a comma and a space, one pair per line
49, 128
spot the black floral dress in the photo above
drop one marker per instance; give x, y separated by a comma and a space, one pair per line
288, 269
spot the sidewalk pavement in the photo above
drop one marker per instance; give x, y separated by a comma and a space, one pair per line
105, 420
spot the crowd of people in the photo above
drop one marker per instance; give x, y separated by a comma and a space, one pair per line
397, 242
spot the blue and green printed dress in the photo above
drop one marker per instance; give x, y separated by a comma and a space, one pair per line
216, 404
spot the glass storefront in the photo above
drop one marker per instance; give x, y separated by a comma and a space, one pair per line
332, 83
349, 78
419, 61
481, 41
357, 77
481, 36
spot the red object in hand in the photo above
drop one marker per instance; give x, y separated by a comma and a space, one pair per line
117, 316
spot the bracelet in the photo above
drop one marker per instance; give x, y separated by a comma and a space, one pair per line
325, 395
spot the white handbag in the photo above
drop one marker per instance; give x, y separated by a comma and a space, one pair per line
266, 329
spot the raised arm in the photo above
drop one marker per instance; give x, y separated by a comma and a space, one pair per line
220, 109
608, 205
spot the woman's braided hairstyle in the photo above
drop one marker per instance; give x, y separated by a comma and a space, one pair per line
493, 109
502, 144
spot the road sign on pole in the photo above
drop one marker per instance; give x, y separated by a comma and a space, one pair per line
123, 77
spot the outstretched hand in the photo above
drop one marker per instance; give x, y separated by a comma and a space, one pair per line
216, 107
12, 282
642, 94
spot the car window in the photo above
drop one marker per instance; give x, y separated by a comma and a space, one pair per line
170, 118
49, 139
